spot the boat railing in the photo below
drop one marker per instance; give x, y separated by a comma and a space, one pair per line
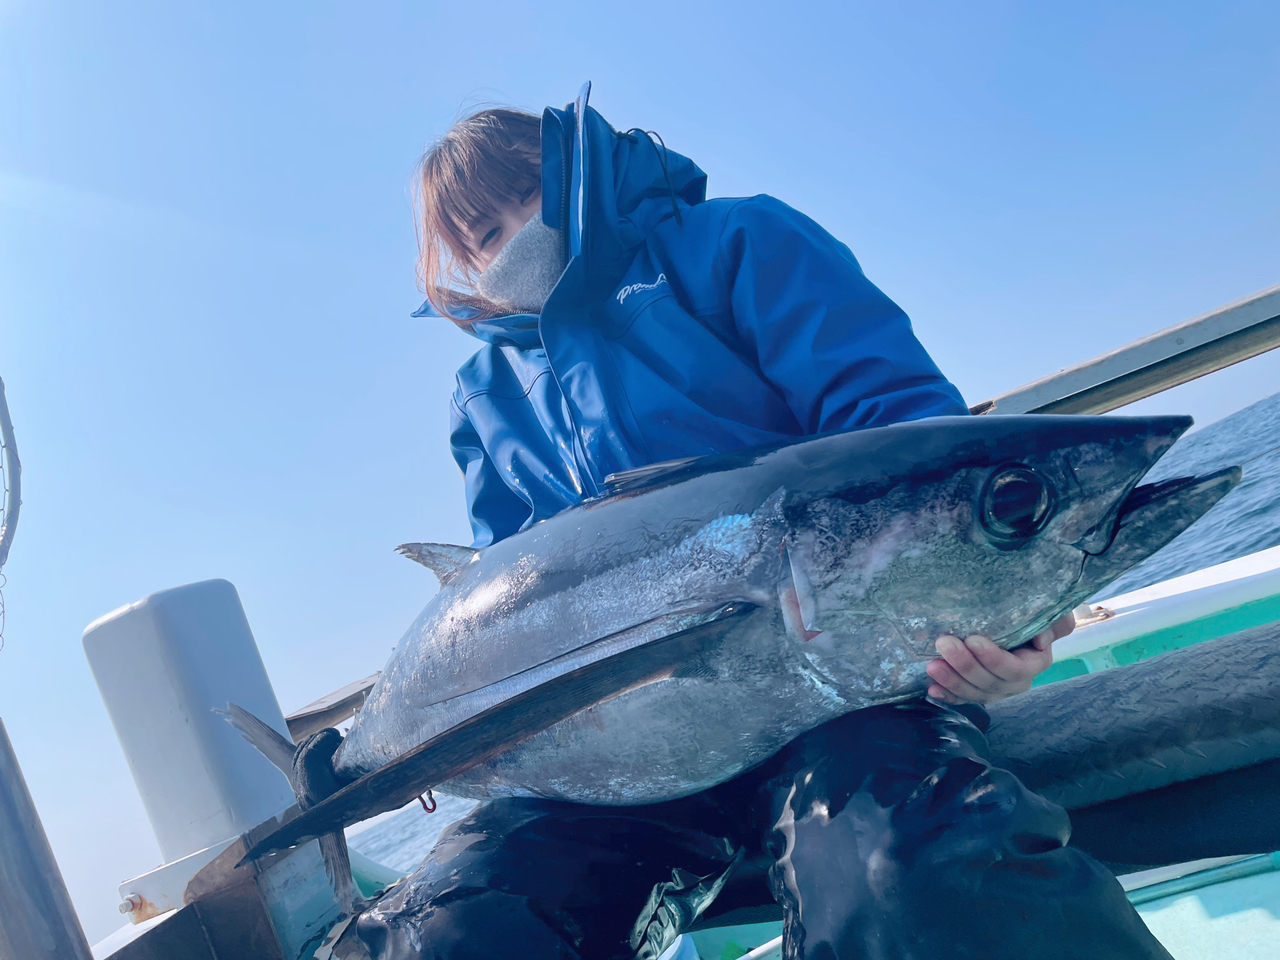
1166, 359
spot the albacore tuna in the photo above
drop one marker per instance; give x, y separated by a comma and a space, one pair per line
841, 559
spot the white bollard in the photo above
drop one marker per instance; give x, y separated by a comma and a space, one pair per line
162, 664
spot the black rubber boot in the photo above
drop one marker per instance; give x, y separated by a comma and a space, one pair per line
894, 838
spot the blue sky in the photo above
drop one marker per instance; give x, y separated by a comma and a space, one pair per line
206, 271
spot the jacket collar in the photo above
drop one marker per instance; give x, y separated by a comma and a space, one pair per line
608, 191
517, 330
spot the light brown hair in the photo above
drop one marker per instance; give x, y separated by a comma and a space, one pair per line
485, 162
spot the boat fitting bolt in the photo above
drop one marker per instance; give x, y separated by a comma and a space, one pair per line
131, 903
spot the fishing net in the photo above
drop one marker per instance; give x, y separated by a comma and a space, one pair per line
4, 522
11, 498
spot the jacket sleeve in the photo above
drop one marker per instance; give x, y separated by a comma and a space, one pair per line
495, 510
842, 353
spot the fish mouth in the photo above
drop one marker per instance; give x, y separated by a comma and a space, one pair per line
1151, 516
1160, 496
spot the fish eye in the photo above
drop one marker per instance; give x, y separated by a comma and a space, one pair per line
1015, 505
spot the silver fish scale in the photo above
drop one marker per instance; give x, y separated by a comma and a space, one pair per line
732, 557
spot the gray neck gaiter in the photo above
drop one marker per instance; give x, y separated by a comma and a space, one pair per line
526, 269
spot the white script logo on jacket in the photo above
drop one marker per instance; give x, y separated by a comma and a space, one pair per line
637, 287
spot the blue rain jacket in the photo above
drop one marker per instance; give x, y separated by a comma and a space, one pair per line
682, 326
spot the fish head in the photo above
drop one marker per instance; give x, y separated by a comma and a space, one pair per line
994, 525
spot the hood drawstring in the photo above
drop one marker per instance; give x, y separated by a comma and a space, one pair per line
649, 136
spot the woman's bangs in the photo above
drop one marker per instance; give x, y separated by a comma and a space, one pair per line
483, 165
457, 209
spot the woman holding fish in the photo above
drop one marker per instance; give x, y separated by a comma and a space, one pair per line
627, 320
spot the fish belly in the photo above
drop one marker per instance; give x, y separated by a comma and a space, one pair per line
744, 700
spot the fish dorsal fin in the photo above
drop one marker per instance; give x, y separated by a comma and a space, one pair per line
442, 559
640, 476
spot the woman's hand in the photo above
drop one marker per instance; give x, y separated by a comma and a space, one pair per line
975, 670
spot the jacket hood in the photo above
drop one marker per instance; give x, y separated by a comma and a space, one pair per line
607, 190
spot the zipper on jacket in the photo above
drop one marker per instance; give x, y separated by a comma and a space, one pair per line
587, 484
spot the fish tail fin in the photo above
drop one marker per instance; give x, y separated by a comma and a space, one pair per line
337, 866
302, 765
316, 780
267, 740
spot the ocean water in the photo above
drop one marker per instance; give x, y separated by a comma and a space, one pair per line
1243, 522
401, 840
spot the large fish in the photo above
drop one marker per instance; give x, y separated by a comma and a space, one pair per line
806, 580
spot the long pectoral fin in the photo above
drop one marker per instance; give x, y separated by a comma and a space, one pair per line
638, 477
499, 728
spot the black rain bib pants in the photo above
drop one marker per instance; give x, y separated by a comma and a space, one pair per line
883, 835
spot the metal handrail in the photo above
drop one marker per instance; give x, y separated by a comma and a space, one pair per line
1173, 356
36, 915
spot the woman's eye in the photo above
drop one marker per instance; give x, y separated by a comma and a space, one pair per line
489, 237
